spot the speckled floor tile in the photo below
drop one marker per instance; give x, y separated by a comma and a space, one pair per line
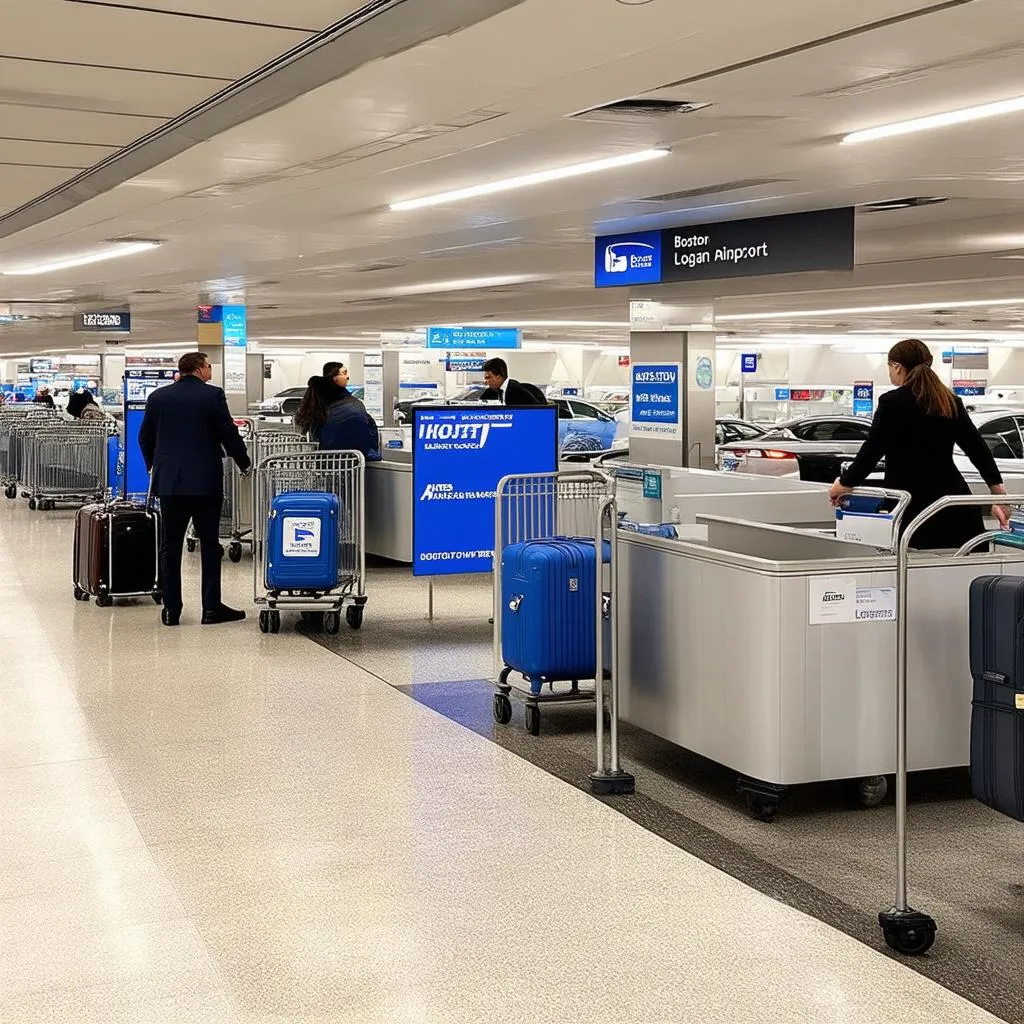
267, 833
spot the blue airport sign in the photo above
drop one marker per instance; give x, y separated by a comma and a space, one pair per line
478, 338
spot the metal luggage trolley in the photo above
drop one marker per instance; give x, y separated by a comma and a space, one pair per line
579, 504
19, 443
13, 419
334, 472
905, 929
66, 465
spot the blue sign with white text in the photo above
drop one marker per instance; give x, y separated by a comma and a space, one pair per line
656, 394
233, 325
782, 394
460, 454
864, 400
627, 259
474, 337
969, 390
464, 364
748, 363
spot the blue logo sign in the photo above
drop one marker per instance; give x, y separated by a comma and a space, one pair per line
652, 484
748, 363
234, 326
460, 454
864, 400
474, 337
656, 399
782, 394
622, 260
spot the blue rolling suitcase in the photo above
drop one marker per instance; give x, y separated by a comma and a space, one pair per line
303, 542
548, 627
997, 716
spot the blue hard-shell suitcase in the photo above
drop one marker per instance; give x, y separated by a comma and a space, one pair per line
997, 668
548, 619
303, 541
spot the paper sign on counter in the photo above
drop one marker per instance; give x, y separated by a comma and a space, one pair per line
839, 599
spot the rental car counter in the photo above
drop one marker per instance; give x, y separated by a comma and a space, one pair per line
771, 649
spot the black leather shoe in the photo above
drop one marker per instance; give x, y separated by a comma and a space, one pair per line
223, 614
169, 618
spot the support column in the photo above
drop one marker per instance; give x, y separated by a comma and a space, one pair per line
672, 373
222, 334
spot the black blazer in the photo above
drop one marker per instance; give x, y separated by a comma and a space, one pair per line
515, 394
184, 435
918, 452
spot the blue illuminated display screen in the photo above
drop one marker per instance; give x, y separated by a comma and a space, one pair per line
460, 454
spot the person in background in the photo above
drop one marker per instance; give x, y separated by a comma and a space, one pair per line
915, 427
43, 397
185, 432
320, 393
509, 392
333, 417
82, 406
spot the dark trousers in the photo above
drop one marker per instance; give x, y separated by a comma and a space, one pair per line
204, 512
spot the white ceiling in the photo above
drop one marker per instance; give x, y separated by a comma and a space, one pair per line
288, 211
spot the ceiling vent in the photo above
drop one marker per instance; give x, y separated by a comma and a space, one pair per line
714, 190
909, 203
637, 111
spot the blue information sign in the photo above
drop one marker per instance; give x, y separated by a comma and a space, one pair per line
748, 363
782, 394
656, 399
233, 324
969, 390
460, 454
864, 400
138, 386
464, 364
474, 337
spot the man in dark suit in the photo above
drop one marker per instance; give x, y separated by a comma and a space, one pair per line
508, 392
184, 435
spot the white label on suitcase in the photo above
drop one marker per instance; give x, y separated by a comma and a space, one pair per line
301, 537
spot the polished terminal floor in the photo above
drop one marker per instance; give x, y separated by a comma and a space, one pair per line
206, 825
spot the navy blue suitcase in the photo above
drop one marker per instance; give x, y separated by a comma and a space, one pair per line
548, 619
997, 715
303, 541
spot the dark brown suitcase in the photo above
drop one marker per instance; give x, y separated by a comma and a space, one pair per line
116, 552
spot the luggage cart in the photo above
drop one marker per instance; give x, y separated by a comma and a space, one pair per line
13, 419
20, 441
579, 505
905, 929
335, 472
66, 465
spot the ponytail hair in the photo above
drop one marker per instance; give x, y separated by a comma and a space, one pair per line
931, 395
312, 412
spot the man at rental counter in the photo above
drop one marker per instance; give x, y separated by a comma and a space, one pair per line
916, 427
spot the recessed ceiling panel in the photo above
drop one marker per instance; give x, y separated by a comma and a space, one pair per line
42, 83
52, 154
308, 14
71, 32
72, 126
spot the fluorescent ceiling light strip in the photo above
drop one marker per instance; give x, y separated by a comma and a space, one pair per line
525, 180
460, 285
310, 337
950, 117
854, 310
120, 249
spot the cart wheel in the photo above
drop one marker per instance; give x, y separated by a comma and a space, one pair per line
762, 807
32, 504
264, 622
275, 622
502, 709
533, 719
235, 552
191, 544
11, 492
104, 601
354, 616
332, 623
911, 939
872, 790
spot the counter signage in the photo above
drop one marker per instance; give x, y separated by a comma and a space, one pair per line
656, 400
138, 386
474, 337
864, 399
464, 364
119, 322
460, 454
787, 244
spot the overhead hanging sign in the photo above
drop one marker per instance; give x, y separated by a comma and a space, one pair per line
460, 454
117, 322
788, 244
474, 337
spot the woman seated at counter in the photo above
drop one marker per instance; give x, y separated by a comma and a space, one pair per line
915, 428
333, 417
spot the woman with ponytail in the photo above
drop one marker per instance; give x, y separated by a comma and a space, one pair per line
916, 428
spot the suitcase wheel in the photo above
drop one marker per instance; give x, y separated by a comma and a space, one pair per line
502, 709
104, 601
32, 504
533, 719
80, 594
11, 492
